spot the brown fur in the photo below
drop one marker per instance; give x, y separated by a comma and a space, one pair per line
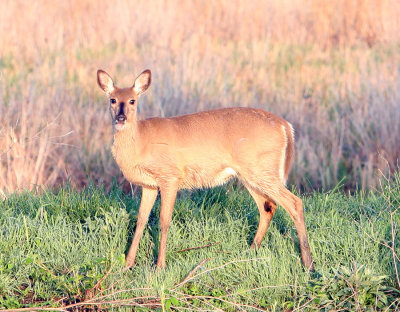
202, 150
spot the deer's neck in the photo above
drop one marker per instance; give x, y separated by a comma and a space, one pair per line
124, 147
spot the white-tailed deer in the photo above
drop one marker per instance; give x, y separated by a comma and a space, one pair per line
202, 150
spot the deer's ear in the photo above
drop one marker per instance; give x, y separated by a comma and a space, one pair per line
142, 82
105, 82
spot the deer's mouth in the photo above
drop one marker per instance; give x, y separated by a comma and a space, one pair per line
120, 122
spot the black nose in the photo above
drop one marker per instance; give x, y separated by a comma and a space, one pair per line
121, 117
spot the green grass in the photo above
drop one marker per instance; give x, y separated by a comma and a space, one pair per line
58, 249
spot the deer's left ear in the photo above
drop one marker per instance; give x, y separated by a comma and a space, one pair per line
105, 82
142, 82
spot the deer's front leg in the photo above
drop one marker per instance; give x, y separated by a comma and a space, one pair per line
168, 196
149, 196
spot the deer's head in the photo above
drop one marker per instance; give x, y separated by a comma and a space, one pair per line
123, 101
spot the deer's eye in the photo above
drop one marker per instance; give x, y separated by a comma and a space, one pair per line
132, 102
113, 101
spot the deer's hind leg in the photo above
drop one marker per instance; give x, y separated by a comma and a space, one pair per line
274, 189
266, 208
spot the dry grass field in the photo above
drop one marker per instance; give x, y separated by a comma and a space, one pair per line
329, 67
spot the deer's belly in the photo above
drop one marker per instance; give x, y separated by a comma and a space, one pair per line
192, 176
197, 177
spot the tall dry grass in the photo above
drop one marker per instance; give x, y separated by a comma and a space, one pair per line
329, 67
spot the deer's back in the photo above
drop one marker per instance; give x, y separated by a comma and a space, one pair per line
208, 148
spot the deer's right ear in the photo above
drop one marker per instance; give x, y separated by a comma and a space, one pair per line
105, 82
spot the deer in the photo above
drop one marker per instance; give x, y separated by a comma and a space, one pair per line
202, 150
